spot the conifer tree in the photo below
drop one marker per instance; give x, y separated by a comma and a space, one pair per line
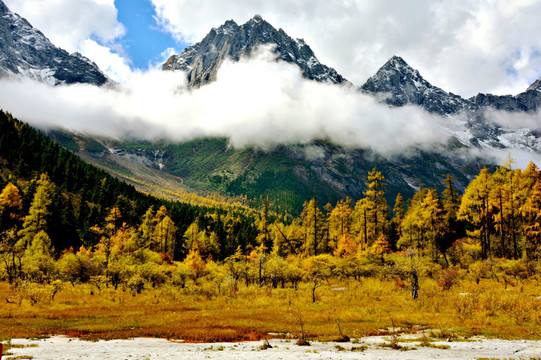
433, 222
531, 211
412, 235
379, 210
339, 221
474, 208
39, 212
165, 236
146, 230
40, 245
399, 211
38, 259
450, 197
264, 237
315, 240
361, 224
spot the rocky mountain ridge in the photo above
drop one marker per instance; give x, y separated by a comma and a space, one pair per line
231, 41
397, 84
288, 174
26, 52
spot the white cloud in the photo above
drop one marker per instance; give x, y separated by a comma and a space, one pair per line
157, 63
463, 47
111, 63
514, 120
258, 102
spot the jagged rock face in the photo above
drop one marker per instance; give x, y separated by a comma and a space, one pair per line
25, 51
397, 84
528, 101
536, 86
400, 85
231, 41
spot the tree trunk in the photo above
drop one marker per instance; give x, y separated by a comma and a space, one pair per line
414, 285
502, 238
314, 291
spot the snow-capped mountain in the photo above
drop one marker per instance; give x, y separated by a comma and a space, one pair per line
26, 52
398, 84
202, 60
289, 173
471, 120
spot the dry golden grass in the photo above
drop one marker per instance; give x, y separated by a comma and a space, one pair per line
363, 308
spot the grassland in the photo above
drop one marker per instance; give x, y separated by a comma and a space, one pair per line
201, 313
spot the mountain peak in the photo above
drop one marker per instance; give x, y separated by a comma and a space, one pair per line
400, 84
257, 18
397, 60
231, 41
396, 64
26, 52
536, 86
228, 27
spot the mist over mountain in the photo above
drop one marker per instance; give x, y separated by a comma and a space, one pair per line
251, 111
487, 122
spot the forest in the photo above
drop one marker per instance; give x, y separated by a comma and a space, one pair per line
66, 223
54, 206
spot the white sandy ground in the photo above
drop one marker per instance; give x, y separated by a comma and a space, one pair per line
61, 347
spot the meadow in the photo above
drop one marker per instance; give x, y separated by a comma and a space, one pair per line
203, 313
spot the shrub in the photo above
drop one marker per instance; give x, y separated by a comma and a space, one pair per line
449, 278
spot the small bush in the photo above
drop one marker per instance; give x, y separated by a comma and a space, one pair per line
449, 278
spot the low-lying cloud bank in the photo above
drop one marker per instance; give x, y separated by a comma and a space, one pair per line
257, 101
514, 120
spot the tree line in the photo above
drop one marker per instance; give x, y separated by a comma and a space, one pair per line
96, 226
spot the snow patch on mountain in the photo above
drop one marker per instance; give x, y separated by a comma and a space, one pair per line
26, 52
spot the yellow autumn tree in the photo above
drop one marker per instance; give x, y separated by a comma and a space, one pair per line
378, 208
531, 211
165, 236
315, 229
39, 212
474, 208
339, 221
10, 206
361, 225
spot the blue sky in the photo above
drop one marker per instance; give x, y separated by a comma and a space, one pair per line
143, 41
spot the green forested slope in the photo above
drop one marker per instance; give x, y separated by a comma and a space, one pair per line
83, 195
